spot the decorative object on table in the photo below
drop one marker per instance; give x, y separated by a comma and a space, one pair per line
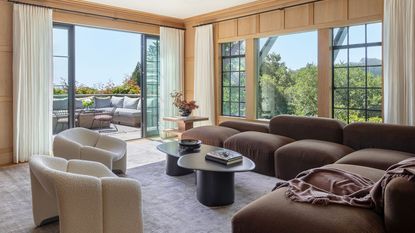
226, 157
185, 108
188, 145
87, 103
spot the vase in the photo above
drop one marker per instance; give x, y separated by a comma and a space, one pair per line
185, 112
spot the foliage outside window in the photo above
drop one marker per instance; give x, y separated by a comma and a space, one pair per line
357, 73
233, 79
287, 75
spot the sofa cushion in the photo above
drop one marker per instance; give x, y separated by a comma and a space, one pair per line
60, 104
302, 155
299, 128
275, 212
259, 147
130, 103
102, 102
78, 102
128, 112
244, 126
383, 136
210, 135
376, 158
117, 101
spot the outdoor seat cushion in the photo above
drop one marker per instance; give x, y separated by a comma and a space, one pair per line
210, 135
128, 112
259, 147
274, 212
376, 158
302, 155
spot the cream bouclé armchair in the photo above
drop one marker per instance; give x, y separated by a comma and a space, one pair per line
86, 195
85, 144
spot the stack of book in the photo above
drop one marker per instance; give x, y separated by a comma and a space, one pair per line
226, 157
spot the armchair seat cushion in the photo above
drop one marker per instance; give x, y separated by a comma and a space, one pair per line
275, 212
376, 158
210, 135
302, 155
259, 147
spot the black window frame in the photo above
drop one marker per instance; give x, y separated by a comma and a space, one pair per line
241, 101
366, 67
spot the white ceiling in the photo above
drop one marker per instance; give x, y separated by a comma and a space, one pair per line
174, 8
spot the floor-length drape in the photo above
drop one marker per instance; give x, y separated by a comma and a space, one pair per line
171, 71
32, 81
204, 74
399, 62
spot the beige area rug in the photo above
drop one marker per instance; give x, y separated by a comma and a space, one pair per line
169, 203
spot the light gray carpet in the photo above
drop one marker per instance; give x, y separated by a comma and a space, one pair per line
169, 203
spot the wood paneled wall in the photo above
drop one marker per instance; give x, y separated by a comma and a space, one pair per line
6, 83
320, 16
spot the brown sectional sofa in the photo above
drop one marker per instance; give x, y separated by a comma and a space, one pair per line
364, 148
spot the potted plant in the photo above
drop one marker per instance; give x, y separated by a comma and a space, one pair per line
87, 103
185, 108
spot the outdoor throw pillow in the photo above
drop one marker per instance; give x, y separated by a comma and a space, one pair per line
60, 104
131, 103
117, 101
102, 102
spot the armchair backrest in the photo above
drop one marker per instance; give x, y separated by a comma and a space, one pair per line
81, 135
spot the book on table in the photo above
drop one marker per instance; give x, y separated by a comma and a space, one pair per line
224, 156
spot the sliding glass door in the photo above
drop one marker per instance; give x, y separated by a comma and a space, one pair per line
151, 83
106, 81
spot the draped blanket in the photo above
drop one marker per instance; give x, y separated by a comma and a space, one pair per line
330, 185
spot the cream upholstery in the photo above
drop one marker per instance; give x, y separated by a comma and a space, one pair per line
86, 195
85, 144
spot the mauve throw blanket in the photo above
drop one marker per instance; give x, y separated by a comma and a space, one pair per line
330, 185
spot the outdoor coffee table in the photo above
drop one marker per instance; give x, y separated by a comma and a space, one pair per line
215, 182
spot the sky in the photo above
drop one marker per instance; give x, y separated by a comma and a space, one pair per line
108, 55
100, 55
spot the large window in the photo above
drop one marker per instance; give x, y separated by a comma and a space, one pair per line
233, 79
357, 73
287, 75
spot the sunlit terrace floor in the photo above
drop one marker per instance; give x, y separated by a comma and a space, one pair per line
122, 132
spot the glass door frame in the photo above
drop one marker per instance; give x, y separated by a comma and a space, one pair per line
71, 70
144, 110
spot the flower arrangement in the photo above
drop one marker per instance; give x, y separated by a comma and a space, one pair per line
185, 108
87, 103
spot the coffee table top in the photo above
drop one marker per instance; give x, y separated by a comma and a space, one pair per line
198, 162
172, 148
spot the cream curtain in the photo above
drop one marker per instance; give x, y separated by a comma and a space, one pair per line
171, 71
399, 61
32, 81
204, 74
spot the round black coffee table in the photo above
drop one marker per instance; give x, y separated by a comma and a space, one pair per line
215, 182
173, 154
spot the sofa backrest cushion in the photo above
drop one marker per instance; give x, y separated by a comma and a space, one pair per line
78, 102
117, 101
377, 135
102, 102
243, 126
60, 104
299, 128
131, 103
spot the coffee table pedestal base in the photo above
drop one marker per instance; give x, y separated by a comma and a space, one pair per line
215, 188
172, 169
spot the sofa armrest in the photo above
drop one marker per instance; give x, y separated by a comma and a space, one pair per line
65, 148
244, 126
122, 205
399, 205
114, 145
98, 155
89, 168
